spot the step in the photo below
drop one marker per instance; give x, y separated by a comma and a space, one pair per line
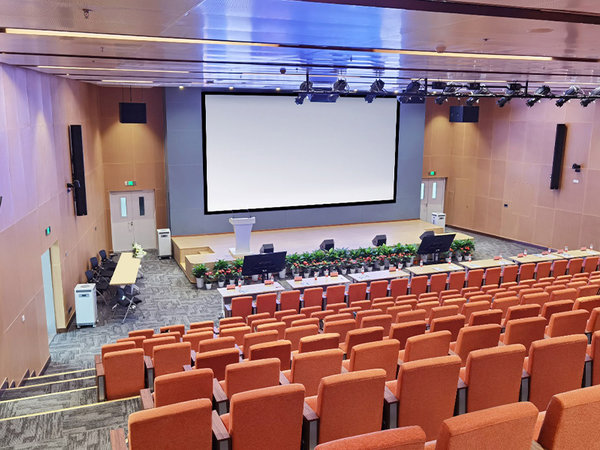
85, 426
48, 402
68, 375
47, 387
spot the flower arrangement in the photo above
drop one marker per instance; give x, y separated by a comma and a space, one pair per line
138, 250
199, 270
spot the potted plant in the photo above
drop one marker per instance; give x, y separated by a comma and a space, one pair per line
293, 261
455, 249
198, 271
220, 277
410, 252
467, 248
209, 279
138, 250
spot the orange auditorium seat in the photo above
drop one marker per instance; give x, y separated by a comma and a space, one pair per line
410, 316
559, 267
309, 368
171, 358
526, 272
266, 303
122, 373
289, 300
378, 289
566, 323
492, 276
182, 387
429, 345
240, 307
313, 297
524, 331
357, 292
335, 294
211, 344
456, 280
280, 349
453, 324
217, 361
475, 278
542, 270
402, 331
437, 282
418, 285
294, 334
322, 341
405, 438
590, 264
574, 266
360, 336
375, 355
509, 274
147, 333
551, 308
258, 338
398, 287
475, 338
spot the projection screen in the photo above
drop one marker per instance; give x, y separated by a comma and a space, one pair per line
264, 152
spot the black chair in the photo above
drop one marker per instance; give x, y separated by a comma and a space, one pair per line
100, 271
127, 300
107, 261
102, 285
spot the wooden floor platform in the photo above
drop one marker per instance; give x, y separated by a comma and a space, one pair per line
208, 248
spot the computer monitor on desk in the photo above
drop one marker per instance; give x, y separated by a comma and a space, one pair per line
263, 263
435, 243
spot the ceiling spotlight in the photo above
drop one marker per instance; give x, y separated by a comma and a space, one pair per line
340, 85
590, 98
370, 97
300, 98
481, 91
377, 85
542, 91
503, 101
306, 85
570, 93
471, 101
438, 85
413, 87
440, 100
450, 89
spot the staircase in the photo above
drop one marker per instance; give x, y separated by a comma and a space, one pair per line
58, 411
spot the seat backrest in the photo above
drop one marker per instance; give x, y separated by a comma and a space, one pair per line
568, 322
220, 343
195, 338
259, 337
480, 298
376, 355
555, 365
485, 317
241, 306
524, 331
171, 358
593, 323
280, 349
410, 316
571, 420
294, 334
398, 286
522, 311
147, 333
183, 386
126, 345
492, 276
528, 290
338, 316
526, 271
254, 317
307, 311
277, 326
493, 376
590, 290
290, 300
254, 414
149, 344
405, 438
369, 312
428, 306
559, 267
357, 292
443, 311
237, 333
428, 345
309, 368
361, 304
418, 285
538, 298
362, 335
458, 301
426, 390
437, 282
335, 294
475, 278
202, 324
456, 280
340, 327
509, 274
232, 320
551, 308
217, 360
590, 264
503, 427
378, 289
266, 303
402, 331
289, 319
453, 324
379, 320
587, 303
574, 265
504, 303
313, 297
175, 334
475, 338
563, 294
350, 403
470, 307
595, 354
124, 373
542, 269
505, 294
137, 340
248, 375
172, 426
321, 341
171, 328
308, 321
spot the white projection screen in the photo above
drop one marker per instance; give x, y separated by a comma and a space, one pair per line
264, 152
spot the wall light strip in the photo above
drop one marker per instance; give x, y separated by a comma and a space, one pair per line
112, 69
127, 81
128, 37
463, 55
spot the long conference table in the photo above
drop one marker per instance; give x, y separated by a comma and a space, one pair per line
126, 271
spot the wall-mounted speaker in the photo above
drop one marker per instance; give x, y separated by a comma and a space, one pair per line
77, 169
464, 114
559, 153
267, 248
326, 245
132, 112
380, 239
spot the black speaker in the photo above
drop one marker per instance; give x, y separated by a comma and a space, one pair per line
267, 248
326, 245
132, 112
464, 114
77, 169
380, 239
559, 152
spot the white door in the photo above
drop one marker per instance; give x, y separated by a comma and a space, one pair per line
133, 219
432, 197
48, 295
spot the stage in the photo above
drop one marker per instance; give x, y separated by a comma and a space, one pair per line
208, 248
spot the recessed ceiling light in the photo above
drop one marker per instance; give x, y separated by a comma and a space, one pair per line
111, 69
181, 88
278, 89
231, 88
462, 55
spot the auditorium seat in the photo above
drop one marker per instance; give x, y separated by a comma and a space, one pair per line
335, 307
442, 311
307, 311
225, 321
269, 417
418, 285
149, 344
505, 427
509, 274
590, 264
424, 346
237, 333
369, 312
266, 303
593, 323
322, 341
277, 326
383, 306
205, 324
407, 302
347, 404
524, 331
542, 270
394, 310
360, 336
475, 278
289, 319
449, 293
362, 304
528, 291
538, 298
405, 438
493, 376
437, 282
555, 307
175, 334
377, 289
217, 360
280, 349
335, 294
485, 317
379, 320
181, 387
239, 307
571, 420
137, 340
425, 392
566, 323
252, 318
504, 303
427, 307
589, 290
357, 292
559, 267
587, 303
456, 280
120, 374
337, 317
258, 338
119, 346
554, 365
170, 358
313, 297
309, 368
352, 310
521, 312
398, 287
455, 301
375, 355
453, 324
574, 266
307, 321
294, 334
341, 327
475, 338
406, 297
220, 343
410, 316
402, 331
470, 307
289, 300
593, 352
526, 272
492, 276
428, 297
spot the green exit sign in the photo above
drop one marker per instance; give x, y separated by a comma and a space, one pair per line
130, 183
47, 231
432, 172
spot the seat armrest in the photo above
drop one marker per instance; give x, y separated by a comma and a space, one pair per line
452, 353
535, 446
97, 359
310, 428
148, 362
117, 439
524, 393
283, 379
146, 399
187, 368
221, 438
227, 310
101, 382
149, 365
193, 356
344, 370
215, 331
460, 405
390, 409
220, 398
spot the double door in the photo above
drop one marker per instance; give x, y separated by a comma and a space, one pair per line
133, 219
432, 197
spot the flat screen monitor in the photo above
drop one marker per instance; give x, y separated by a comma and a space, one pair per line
438, 243
263, 263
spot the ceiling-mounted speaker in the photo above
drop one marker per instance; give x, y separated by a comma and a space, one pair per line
464, 114
132, 112
559, 152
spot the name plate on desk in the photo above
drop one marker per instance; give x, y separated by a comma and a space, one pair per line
334, 274
268, 282
392, 269
297, 278
230, 287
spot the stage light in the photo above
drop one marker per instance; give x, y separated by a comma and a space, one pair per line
570, 93
376, 88
542, 91
512, 89
440, 100
413, 87
340, 85
503, 101
300, 98
480, 91
450, 89
370, 97
590, 98
306, 86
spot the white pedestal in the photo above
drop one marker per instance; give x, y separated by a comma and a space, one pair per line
242, 227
